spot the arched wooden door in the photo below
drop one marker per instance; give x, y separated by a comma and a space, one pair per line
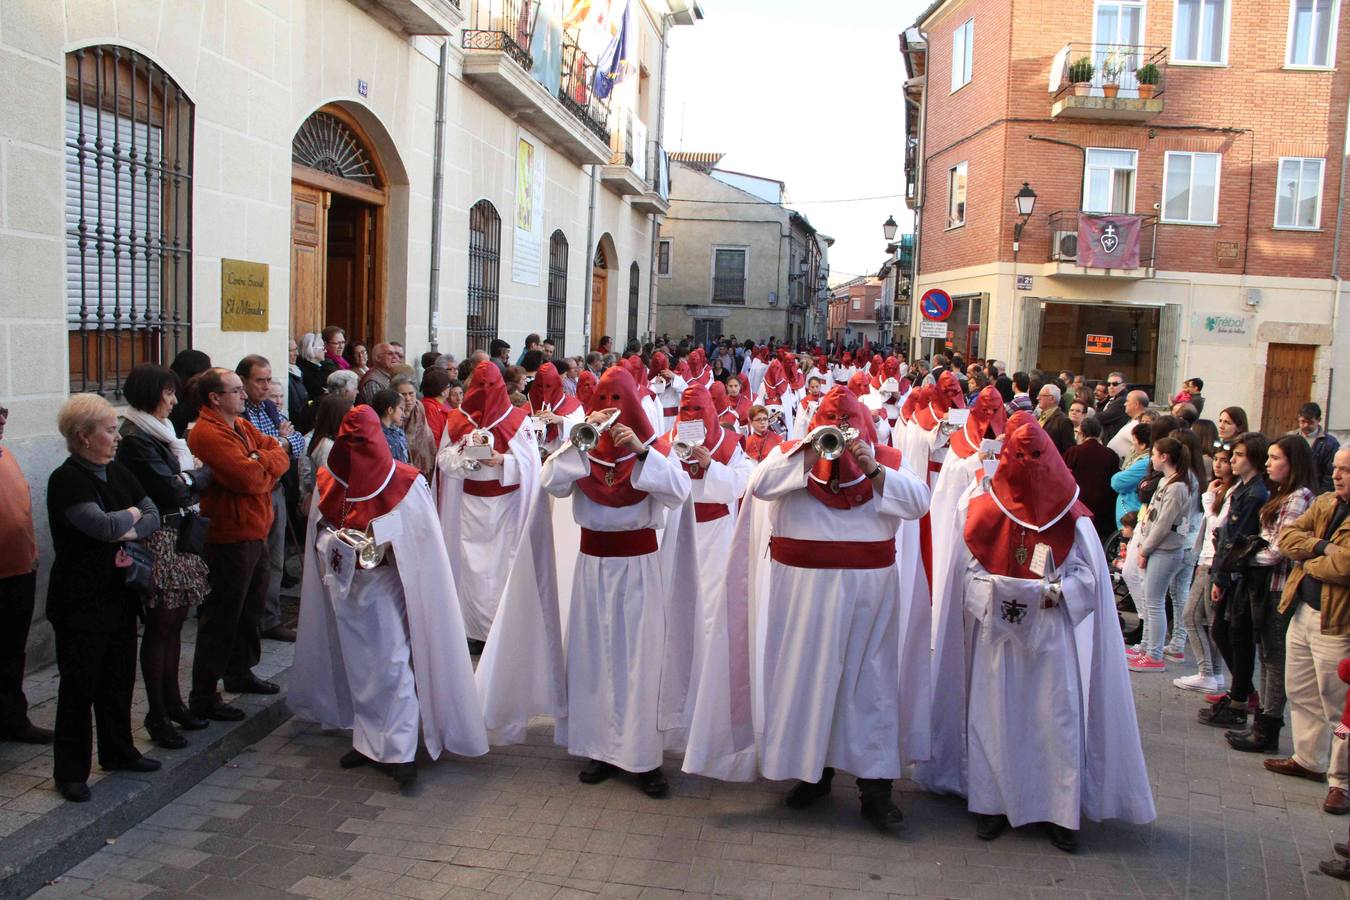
599, 295
338, 198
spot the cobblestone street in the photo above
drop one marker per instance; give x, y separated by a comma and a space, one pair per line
283, 818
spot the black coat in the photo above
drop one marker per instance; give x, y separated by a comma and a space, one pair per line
157, 469
1113, 417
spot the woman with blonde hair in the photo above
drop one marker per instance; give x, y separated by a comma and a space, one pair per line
94, 505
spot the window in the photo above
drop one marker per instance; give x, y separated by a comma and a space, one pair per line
485, 262
728, 275
956, 195
857, 303
1298, 195
634, 286
1191, 188
963, 54
1312, 33
1200, 32
663, 259
1119, 22
1108, 183
557, 293
128, 216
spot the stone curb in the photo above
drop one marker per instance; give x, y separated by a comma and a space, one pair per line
52, 844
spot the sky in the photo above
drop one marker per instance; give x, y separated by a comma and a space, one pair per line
808, 93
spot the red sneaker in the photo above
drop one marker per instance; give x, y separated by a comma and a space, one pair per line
1146, 664
1215, 698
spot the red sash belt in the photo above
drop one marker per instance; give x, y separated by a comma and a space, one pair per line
708, 512
618, 543
476, 488
803, 554
934, 467
670, 411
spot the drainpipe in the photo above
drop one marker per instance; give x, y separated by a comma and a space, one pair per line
437, 193
587, 270
1336, 263
654, 163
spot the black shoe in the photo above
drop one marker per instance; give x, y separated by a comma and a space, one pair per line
404, 773
28, 734
184, 719
476, 647
165, 735
1336, 868
280, 633
596, 772
1264, 736
74, 791
251, 685
654, 783
1065, 839
354, 759
881, 811
989, 827
1224, 714
139, 764
217, 710
804, 793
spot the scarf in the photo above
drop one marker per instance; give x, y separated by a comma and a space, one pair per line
162, 431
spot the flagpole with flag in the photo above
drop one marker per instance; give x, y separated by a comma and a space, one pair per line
614, 65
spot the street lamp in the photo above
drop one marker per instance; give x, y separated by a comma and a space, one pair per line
1025, 202
889, 227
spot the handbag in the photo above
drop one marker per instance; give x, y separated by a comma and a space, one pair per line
137, 566
192, 528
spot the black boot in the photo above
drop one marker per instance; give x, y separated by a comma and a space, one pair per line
1065, 839
877, 805
804, 793
1225, 714
403, 773
596, 772
654, 783
354, 759
1264, 736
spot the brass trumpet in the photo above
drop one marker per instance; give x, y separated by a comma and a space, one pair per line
368, 553
831, 442
683, 450
585, 436
477, 445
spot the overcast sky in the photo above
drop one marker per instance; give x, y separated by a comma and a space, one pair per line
808, 93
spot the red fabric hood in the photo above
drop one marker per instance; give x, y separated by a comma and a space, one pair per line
950, 388
586, 383
546, 391
362, 478
486, 405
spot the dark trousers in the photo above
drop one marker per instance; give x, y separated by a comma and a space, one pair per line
98, 670
1237, 645
228, 641
16, 615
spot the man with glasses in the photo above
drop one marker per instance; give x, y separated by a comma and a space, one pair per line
246, 465
1136, 404
1113, 416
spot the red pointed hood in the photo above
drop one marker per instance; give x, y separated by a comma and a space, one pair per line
722, 405
951, 389
486, 405
874, 369
775, 381
698, 364
586, 383
858, 383
638, 370
546, 392
659, 364
840, 483
696, 405
931, 408
846, 359
986, 415
610, 480
1032, 499
361, 481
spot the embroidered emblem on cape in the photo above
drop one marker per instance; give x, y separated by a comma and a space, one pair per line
1012, 611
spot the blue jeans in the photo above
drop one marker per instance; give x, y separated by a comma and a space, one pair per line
1158, 575
1181, 591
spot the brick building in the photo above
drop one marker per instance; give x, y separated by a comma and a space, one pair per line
1216, 130
853, 310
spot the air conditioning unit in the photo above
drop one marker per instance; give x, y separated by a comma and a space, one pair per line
1066, 246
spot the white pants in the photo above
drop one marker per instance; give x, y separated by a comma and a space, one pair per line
1316, 694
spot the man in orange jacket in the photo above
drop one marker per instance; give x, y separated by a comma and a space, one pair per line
245, 466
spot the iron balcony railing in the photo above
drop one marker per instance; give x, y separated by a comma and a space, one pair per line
504, 26
1065, 244
1132, 71
577, 90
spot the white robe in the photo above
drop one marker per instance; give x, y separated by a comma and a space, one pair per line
652, 407
619, 689
361, 648
806, 668
669, 401
483, 534
757, 369
1052, 733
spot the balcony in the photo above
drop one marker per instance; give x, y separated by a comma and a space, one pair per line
625, 173
656, 199
911, 170
1108, 82
1070, 258
432, 17
884, 314
559, 103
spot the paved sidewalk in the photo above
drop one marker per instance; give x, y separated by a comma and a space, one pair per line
40, 833
283, 819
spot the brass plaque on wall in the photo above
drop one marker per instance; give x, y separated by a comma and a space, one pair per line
1226, 252
243, 295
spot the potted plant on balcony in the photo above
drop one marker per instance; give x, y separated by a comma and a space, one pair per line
1080, 76
1149, 78
1112, 66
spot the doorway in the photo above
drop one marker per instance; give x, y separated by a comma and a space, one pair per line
339, 197
1289, 378
599, 294
1096, 339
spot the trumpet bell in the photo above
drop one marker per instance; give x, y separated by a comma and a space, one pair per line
585, 435
683, 450
369, 554
831, 442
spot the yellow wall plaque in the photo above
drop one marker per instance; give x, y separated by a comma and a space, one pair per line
243, 295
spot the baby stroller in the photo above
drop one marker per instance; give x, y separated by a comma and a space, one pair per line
1131, 623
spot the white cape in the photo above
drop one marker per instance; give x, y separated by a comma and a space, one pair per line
319, 691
